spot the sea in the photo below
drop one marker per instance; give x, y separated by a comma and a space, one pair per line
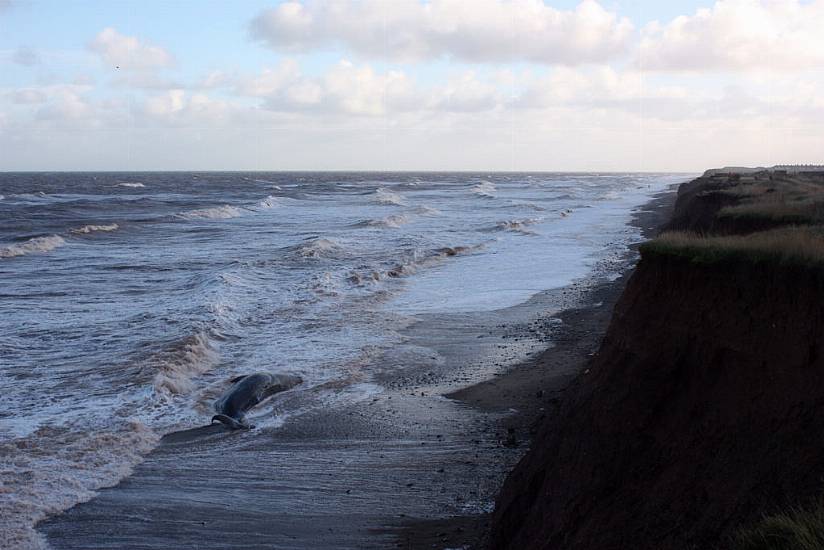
128, 300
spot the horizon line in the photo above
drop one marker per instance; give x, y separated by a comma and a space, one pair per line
343, 171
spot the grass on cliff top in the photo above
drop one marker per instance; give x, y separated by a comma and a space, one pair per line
791, 200
797, 529
802, 245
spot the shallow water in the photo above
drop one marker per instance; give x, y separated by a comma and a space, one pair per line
129, 300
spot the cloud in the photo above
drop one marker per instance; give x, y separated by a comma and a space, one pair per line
468, 30
359, 90
27, 57
28, 96
128, 53
738, 35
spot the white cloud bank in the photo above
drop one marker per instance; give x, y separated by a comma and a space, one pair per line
468, 30
738, 35
129, 53
622, 107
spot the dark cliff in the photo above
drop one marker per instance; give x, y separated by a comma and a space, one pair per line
701, 412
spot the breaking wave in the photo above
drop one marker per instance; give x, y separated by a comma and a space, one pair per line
37, 244
182, 362
91, 228
224, 212
134, 184
384, 196
411, 265
319, 248
395, 220
517, 226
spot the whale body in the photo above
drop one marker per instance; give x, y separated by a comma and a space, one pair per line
246, 392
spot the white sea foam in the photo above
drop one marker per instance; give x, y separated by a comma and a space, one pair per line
319, 248
92, 228
55, 468
485, 189
135, 184
216, 213
37, 244
518, 226
385, 196
182, 362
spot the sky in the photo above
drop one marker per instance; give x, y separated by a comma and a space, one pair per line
479, 85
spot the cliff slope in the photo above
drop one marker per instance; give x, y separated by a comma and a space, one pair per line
700, 413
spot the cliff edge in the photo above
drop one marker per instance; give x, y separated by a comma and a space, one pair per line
702, 410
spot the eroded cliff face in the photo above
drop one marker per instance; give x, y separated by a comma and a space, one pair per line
703, 410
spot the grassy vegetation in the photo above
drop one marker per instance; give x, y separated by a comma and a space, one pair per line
787, 201
797, 529
802, 245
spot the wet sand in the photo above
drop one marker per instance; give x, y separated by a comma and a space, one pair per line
417, 465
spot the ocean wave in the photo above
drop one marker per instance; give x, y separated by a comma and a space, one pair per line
525, 205
183, 361
424, 210
384, 196
37, 244
394, 221
270, 202
319, 248
134, 184
517, 226
485, 189
55, 468
91, 228
36, 196
224, 212
411, 265
325, 284
272, 185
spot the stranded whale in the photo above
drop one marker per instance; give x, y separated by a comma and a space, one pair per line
246, 392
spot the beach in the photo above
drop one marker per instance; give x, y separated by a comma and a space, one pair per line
417, 464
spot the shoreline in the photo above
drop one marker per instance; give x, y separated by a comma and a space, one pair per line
533, 387
356, 470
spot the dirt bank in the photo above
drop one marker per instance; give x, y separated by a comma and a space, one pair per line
698, 414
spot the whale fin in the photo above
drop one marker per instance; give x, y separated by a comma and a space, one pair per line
231, 423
